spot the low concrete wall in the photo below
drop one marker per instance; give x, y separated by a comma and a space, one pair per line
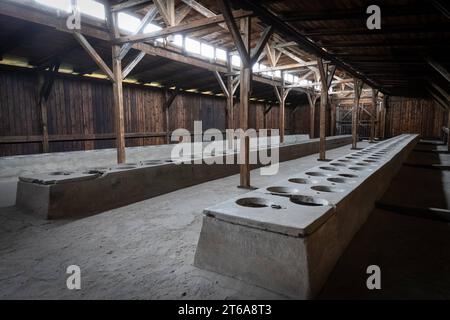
287, 237
68, 194
11, 167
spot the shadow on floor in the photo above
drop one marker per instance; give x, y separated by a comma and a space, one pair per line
412, 252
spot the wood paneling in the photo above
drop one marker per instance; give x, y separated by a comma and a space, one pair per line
81, 114
405, 115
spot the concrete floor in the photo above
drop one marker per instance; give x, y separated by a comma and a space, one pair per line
145, 250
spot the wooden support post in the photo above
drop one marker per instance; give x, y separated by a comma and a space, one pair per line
439, 68
117, 89
312, 107
246, 72
357, 88
372, 116
230, 97
383, 116
332, 118
323, 109
43, 106
166, 107
45, 84
448, 127
282, 108
242, 41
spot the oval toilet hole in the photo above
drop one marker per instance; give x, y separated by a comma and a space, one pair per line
327, 189
362, 164
302, 181
329, 168
254, 202
150, 162
61, 173
317, 174
308, 201
357, 168
348, 175
341, 180
337, 164
282, 190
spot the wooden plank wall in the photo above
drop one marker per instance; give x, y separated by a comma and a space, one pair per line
82, 107
405, 115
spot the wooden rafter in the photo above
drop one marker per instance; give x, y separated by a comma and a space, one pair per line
94, 55
439, 68
181, 28
148, 18
132, 64
128, 5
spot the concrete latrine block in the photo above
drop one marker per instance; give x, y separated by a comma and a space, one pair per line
288, 236
76, 194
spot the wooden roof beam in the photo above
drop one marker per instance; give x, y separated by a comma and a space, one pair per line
130, 4
181, 28
439, 68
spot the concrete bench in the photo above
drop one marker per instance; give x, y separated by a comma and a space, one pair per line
77, 193
288, 236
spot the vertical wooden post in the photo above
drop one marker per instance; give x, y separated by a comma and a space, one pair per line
230, 99
383, 116
244, 101
45, 144
282, 108
332, 118
166, 118
378, 119
358, 87
312, 107
373, 114
448, 134
323, 109
117, 90
43, 106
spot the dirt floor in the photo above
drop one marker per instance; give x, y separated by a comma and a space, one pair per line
145, 250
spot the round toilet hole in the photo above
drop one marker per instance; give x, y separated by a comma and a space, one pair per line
327, 189
337, 164
60, 173
341, 180
357, 168
348, 175
308, 201
302, 181
150, 162
329, 168
282, 190
254, 202
317, 174
362, 164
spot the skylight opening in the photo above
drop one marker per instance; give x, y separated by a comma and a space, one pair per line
128, 22
149, 28
221, 54
92, 8
207, 51
177, 40
63, 5
289, 77
235, 61
192, 45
